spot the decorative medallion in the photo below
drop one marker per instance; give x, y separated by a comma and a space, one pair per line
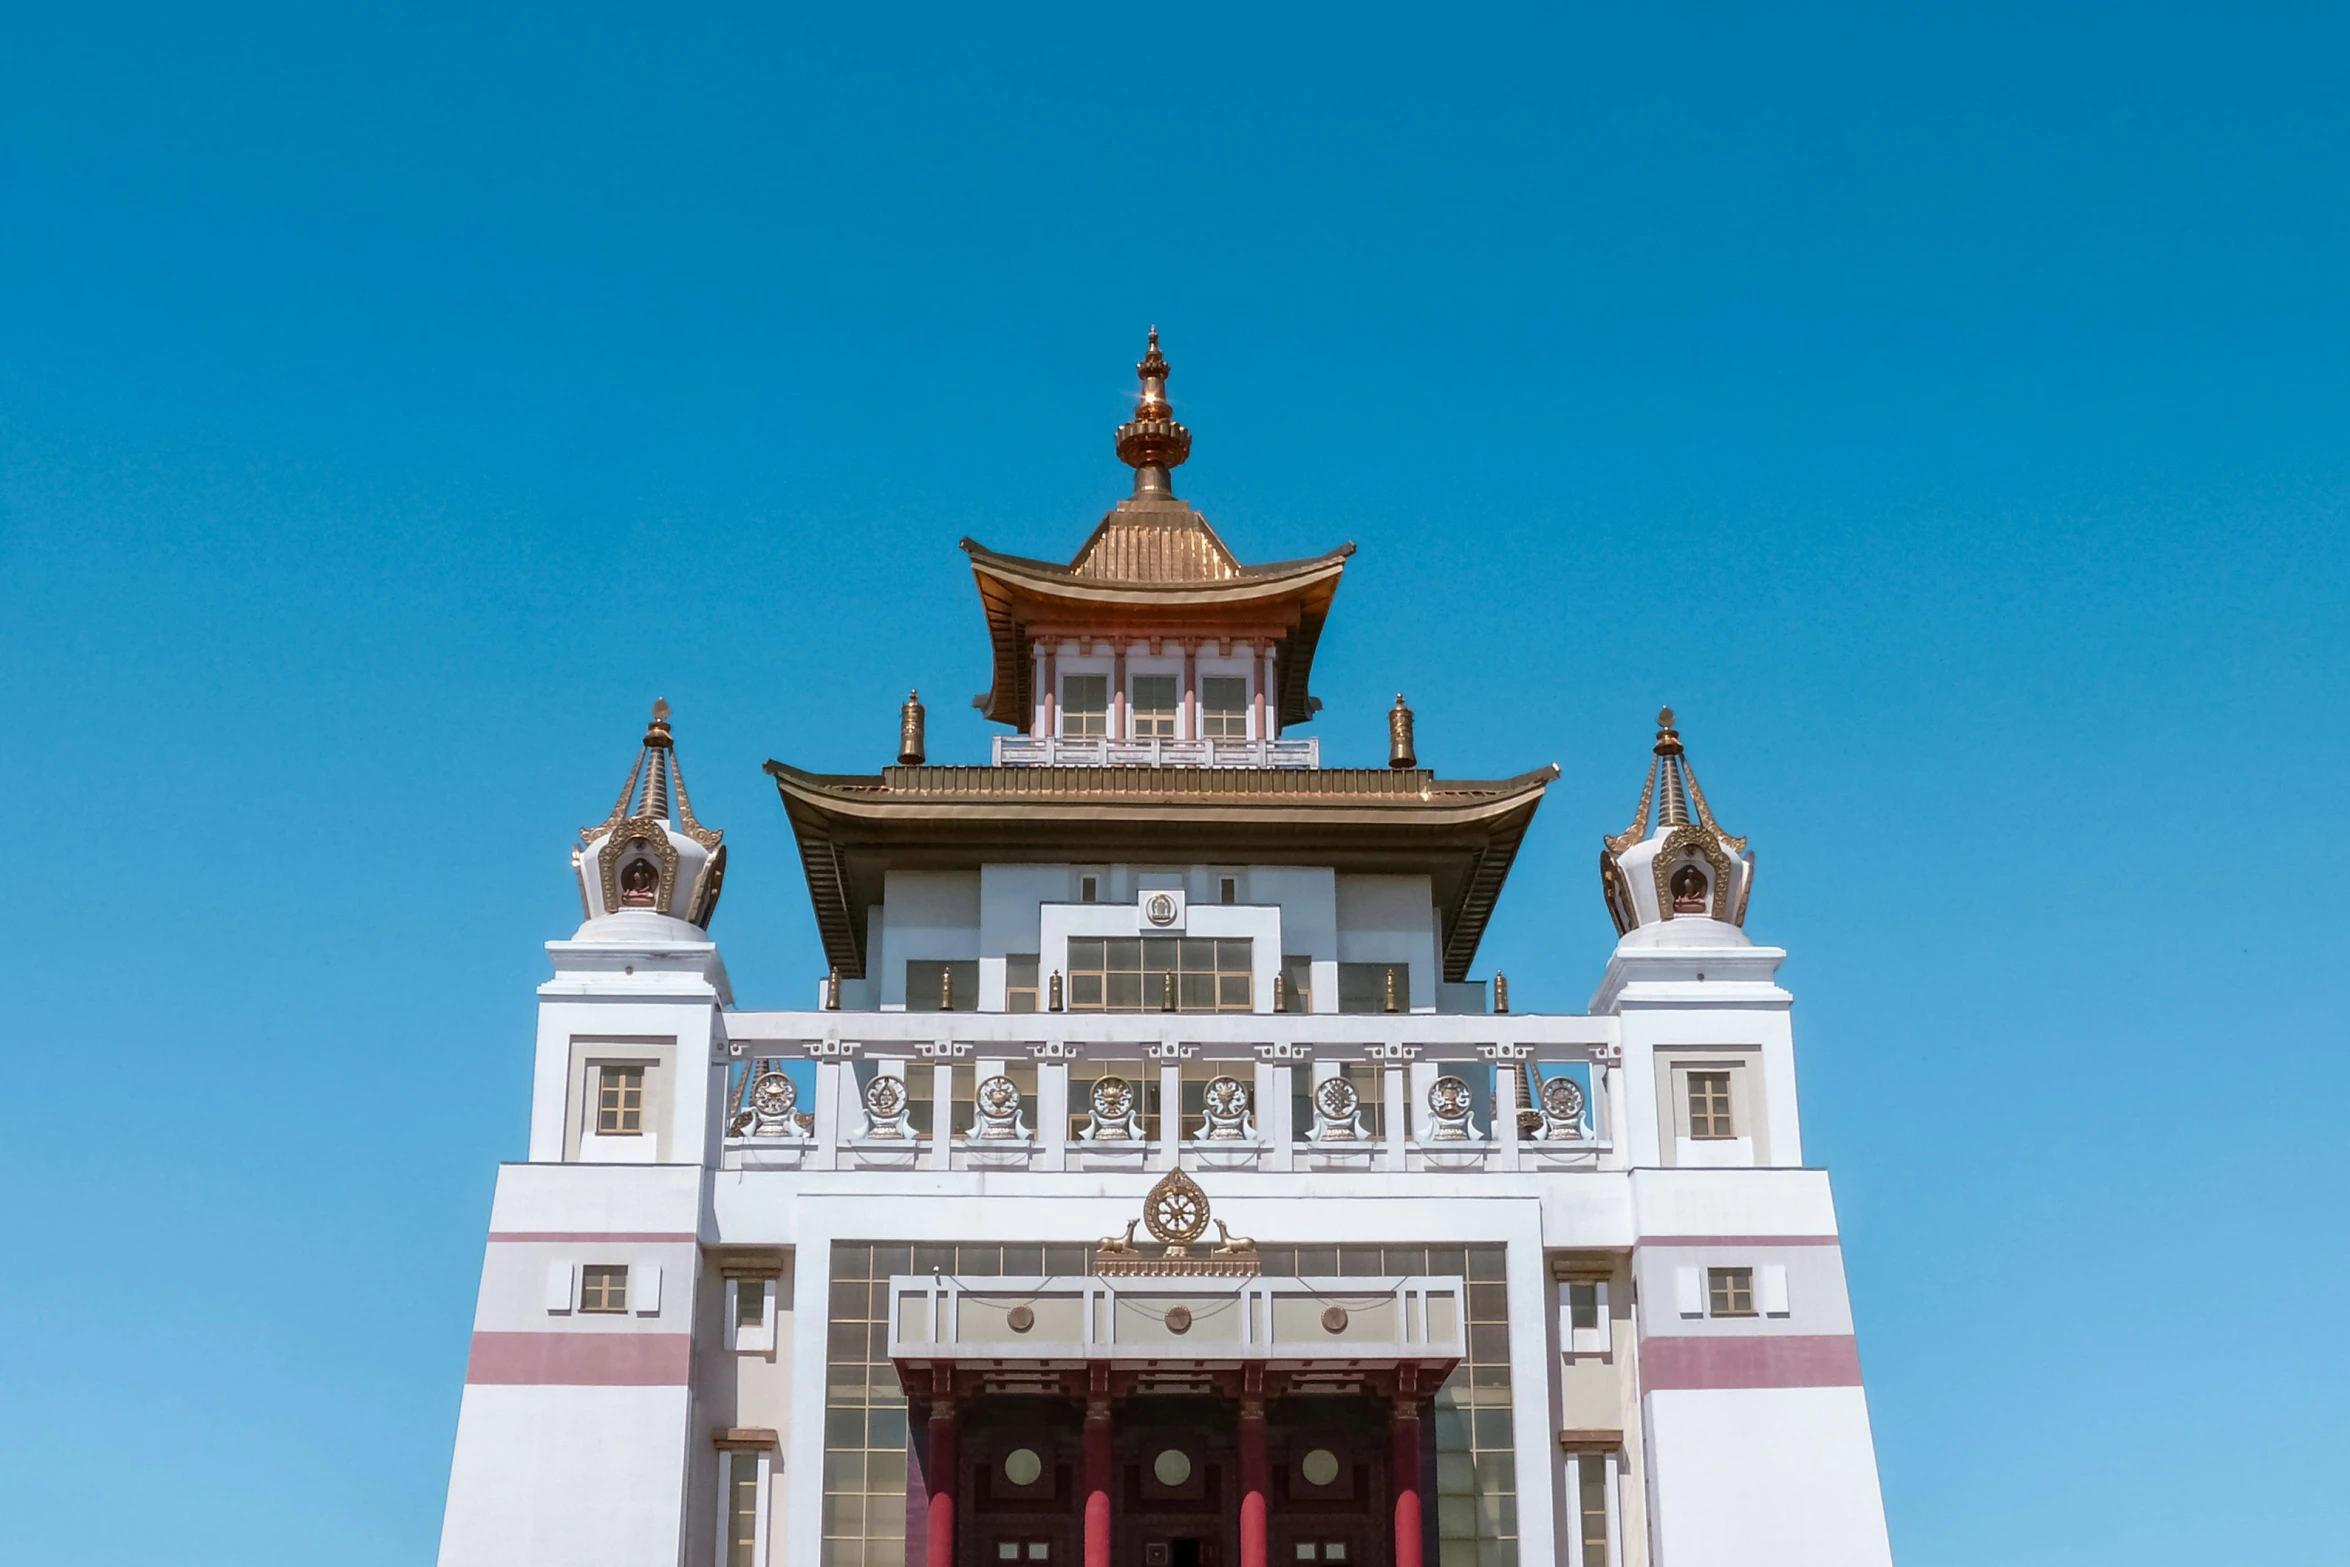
1225, 1110
1448, 1109
1334, 1319
1562, 1110
885, 1108
1176, 1211
1159, 909
1179, 1319
999, 1110
1020, 1319
773, 1099
1336, 1098
1112, 1103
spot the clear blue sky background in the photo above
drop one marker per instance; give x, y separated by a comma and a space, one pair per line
1945, 412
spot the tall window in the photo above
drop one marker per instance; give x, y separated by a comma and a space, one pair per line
620, 1101
1729, 1292
1020, 982
603, 1287
1709, 1105
1223, 707
1591, 1484
1154, 707
742, 1509
1130, 974
1085, 706
750, 1303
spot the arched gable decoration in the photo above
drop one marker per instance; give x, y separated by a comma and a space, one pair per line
1705, 844
656, 839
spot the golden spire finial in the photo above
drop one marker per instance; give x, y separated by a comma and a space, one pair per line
1152, 442
1668, 739
657, 732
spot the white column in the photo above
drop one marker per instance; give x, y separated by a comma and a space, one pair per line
1263, 1100
825, 1155
1505, 1109
1571, 1519
1052, 1110
1398, 1118
942, 1113
1170, 1147
1609, 1080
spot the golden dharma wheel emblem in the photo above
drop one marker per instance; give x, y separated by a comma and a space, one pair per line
1176, 1210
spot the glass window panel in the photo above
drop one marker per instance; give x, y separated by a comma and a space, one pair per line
1085, 706
1154, 707
1223, 701
888, 1260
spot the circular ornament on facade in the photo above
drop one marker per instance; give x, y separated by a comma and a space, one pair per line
774, 1095
999, 1095
1112, 1098
1336, 1098
1319, 1467
1334, 1319
1172, 1467
1179, 1319
1020, 1319
885, 1096
1448, 1098
1176, 1210
1159, 909
1563, 1098
1022, 1466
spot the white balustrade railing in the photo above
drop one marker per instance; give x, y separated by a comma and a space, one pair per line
1055, 751
1431, 1092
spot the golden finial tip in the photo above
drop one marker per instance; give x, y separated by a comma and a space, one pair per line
1664, 718
660, 710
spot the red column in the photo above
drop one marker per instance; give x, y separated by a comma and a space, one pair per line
1404, 1467
940, 1472
1252, 1482
1097, 1482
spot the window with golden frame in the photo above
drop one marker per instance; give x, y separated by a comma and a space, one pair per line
1729, 1292
620, 1101
1709, 1105
1133, 974
1020, 982
603, 1287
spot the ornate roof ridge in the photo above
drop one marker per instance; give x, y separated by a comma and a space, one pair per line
952, 781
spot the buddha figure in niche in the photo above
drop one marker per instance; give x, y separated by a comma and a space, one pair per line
639, 884
1688, 890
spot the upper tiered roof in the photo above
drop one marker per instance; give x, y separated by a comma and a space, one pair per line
1153, 568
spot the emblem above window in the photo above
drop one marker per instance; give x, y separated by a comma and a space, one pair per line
1163, 910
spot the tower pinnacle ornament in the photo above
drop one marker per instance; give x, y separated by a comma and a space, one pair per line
1687, 867
1152, 443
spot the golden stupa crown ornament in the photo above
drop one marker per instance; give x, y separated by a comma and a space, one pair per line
1176, 1213
1152, 442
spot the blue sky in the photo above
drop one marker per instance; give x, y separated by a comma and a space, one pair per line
1944, 411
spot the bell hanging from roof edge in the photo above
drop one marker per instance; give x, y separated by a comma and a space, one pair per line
1400, 753
910, 731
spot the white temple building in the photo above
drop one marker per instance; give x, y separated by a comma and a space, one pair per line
1149, 1182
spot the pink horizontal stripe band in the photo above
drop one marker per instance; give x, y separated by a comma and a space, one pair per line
594, 1237
580, 1359
1739, 1240
1750, 1360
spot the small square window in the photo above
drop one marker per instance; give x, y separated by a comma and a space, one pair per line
620, 1101
1583, 1306
1709, 1105
1729, 1292
1089, 889
1007, 1550
603, 1288
1223, 707
750, 1303
1085, 706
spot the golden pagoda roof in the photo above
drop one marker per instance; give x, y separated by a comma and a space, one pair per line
853, 829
